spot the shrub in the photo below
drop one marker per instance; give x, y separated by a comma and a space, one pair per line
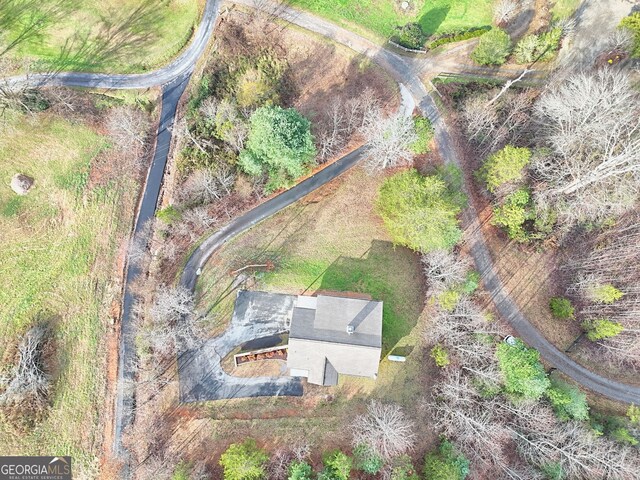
493, 48
420, 211
448, 300
440, 356
424, 132
258, 85
561, 307
538, 47
446, 464
471, 283
622, 435
605, 293
300, 470
601, 328
522, 371
402, 469
279, 144
632, 22
337, 466
410, 36
567, 401
168, 215
504, 166
553, 471
515, 210
366, 459
244, 461
525, 50
458, 36
181, 472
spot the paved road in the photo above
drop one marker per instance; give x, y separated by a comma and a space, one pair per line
125, 402
181, 67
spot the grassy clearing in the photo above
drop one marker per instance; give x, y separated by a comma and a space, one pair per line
57, 249
564, 8
377, 18
113, 35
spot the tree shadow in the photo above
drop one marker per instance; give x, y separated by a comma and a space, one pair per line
431, 20
118, 35
375, 275
23, 21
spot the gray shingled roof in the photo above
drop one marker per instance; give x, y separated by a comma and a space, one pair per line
329, 321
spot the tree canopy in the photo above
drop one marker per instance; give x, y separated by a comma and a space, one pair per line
523, 374
279, 144
420, 211
446, 463
493, 48
504, 166
244, 461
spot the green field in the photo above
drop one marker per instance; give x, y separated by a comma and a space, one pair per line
57, 248
337, 244
377, 18
113, 35
564, 8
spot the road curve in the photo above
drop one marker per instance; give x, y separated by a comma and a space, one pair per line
406, 74
180, 68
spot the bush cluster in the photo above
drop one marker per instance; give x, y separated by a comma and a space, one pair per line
493, 48
457, 36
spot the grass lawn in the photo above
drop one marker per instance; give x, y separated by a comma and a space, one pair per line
112, 35
332, 241
57, 248
377, 18
564, 8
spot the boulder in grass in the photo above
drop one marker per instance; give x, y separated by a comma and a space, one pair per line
21, 184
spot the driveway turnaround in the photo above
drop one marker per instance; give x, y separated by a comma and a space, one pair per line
256, 315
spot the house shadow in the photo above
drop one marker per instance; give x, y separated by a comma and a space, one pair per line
431, 20
385, 273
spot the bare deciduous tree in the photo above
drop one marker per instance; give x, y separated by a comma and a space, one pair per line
444, 270
28, 385
591, 123
128, 128
388, 140
206, 185
342, 120
504, 11
173, 321
385, 428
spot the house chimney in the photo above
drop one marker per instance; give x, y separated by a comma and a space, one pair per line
350, 329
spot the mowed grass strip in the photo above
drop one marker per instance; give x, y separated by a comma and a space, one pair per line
57, 247
123, 36
377, 18
331, 241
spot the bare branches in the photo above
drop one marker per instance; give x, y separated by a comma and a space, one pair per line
385, 428
128, 128
590, 122
29, 387
341, 121
173, 321
444, 270
388, 140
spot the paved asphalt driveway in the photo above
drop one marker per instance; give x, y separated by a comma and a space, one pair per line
256, 316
